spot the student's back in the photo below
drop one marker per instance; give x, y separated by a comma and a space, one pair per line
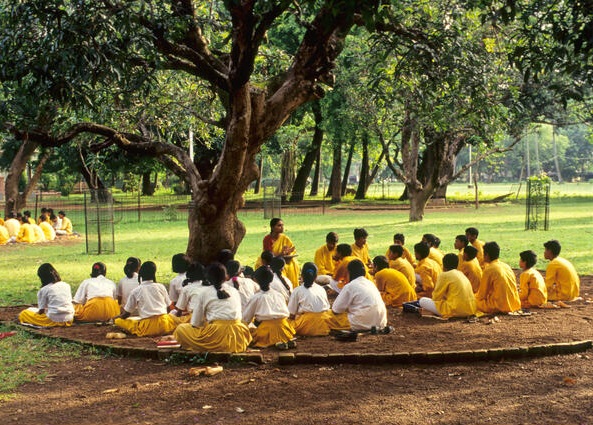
562, 280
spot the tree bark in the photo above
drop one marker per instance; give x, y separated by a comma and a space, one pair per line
363, 182
14, 200
260, 166
347, 169
147, 187
335, 189
316, 174
287, 176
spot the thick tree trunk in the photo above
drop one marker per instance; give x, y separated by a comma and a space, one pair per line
418, 201
14, 200
300, 183
347, 169
441, 192
147, 187
364, 170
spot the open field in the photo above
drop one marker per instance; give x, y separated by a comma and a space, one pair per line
571, 221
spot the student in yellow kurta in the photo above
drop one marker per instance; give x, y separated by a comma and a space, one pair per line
54, 301
26, 233
460, 243
96, 298
12, 224
470, 267
562, 280
400, 239
308, 305
66, 228
360, 248
472, 236
27, 215
498, 287
341, 276
427, 270
151, 300
281, 245
4, 236
48, 230
269, 313
324, 256
38, 232
435, 253
397, 262
394, 287
453, 295
532, 288
216, 324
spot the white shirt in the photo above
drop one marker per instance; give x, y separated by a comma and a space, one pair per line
277, 286
175, 286
209, 307
95, 287
56, 299
150, 298
265, 305
362, 300
188, 294
125, 286
247, 288
308, 300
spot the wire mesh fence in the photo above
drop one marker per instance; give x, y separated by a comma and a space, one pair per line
130, 207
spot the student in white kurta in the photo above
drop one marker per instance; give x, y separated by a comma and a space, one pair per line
151, 300
216, 320
54, 301
280, 282
190, 289
361, 300
95, 298
129, 282
269, 313
179, 264
246, 286
308, 305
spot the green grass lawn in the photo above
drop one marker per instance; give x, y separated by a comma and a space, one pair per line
571, 222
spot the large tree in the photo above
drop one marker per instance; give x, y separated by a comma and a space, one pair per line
64, 50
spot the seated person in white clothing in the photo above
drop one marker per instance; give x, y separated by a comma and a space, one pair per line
280, 282
179, 264
190, 288
129, 282
361, 299
245, 285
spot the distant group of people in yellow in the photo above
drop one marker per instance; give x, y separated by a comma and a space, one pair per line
22, 228
226, 307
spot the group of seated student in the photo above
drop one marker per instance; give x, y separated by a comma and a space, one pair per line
441, 283
223, 306
22, 228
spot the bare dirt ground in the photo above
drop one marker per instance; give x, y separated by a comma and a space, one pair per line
551, 390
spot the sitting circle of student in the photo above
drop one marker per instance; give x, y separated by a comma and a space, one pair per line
22, 228
225, 307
